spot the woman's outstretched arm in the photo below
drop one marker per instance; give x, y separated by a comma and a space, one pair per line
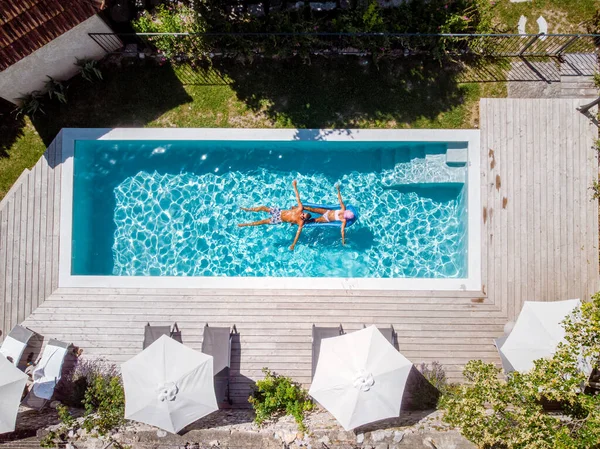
344, 231
340, 198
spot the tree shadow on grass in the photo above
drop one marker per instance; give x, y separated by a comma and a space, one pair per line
345, 92
11, 127
130, 95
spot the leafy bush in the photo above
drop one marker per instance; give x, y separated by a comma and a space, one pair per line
497, 413
104, 404
178, 18
277, 395
30, 104
65, 416
56, 90
89, 70
215, 16
51, 440
73, 385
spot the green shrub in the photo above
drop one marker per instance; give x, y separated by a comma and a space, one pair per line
30, 104
178, 18
51, 440
104, 404
65, 416
497, 413
56, 90
89, 70
277, 395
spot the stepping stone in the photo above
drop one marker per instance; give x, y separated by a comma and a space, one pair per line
543, 26
521, 26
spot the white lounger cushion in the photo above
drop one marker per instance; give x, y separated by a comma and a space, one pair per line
48, 371
12, 348
15, 343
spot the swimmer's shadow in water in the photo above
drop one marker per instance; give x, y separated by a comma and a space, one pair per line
358, 238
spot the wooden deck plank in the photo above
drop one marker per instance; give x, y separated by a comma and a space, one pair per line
546, 212
577, 207
28, 305
536, 152
511, 201
3, 266
49, 221
555, 189
22, 251
56, 212
43, 163
36, 219
14, 296
529, 280
484, 158
495, 212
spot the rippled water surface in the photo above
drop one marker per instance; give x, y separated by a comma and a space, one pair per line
160, 208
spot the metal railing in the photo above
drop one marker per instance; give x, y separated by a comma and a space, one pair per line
577, 50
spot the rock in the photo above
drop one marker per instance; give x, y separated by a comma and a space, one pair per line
380, 435
289, 437
381, 446
70, 446
324, 440
360, 438
54, 404
71, 434
213, 443
161, 433
429, 443
398, 436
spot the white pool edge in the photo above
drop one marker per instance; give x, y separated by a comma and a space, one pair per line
471, 283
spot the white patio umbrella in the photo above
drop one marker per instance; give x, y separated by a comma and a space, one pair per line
168, 385
536, 334
12, 384
360, 377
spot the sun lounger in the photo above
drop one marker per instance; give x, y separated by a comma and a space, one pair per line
508, 368
388, 333
318, 334
216, 342
46, 374
15, 343
153, 333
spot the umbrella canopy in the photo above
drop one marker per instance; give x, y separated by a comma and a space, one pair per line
12, 384
537, 333
360, 377
168, 385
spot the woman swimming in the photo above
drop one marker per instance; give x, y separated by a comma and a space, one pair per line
329, 215
294, 215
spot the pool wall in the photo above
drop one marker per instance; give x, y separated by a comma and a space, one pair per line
473, 240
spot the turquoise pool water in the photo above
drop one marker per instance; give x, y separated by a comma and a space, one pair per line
154, 208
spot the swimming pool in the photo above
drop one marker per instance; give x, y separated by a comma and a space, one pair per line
163, 206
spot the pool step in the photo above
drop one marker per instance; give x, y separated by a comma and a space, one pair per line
432, 169
457, 154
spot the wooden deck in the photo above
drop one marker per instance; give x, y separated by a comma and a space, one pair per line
540, 242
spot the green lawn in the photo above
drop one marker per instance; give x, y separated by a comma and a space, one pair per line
563, 16
324, 94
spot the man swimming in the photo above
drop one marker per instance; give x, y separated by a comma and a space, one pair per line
328, 215
294, 215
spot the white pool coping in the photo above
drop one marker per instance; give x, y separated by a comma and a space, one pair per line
471, 283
